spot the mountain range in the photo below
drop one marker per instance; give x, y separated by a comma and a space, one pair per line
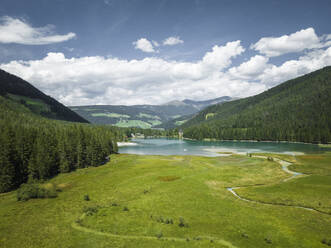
167, 115
296, 110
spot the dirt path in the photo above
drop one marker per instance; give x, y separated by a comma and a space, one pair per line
294, 174
81, 228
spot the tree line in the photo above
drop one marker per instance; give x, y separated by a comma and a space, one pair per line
297, 110
35, 148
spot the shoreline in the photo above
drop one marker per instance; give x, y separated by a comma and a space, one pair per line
261, 141
121, 144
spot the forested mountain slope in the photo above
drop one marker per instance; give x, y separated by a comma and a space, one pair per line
297, 110
22, 92
145, 116
33, 147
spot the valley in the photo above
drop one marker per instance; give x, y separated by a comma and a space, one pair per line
142, 201
168, 115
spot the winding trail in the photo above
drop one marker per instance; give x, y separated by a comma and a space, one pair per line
294, 174
81, 228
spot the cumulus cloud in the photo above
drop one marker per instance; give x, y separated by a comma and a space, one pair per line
144, 45
100, 80
296, 42
154, 80
220, 57
311, 61
18, 31
171, 41
253, 67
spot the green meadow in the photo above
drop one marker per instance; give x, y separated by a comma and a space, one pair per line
177, 201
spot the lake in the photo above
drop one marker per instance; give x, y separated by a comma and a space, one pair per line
163, 146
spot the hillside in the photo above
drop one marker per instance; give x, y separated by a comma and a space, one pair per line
145, 116
297, 110
22, 92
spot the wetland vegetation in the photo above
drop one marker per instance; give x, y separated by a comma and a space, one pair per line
176, 201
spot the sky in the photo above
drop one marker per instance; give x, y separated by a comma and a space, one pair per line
126, 52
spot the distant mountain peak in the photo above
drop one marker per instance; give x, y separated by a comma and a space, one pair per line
175, 103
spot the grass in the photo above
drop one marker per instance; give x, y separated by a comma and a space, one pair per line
178, 123
133, 123
312, 190
209, 115
325, 145
155, 122
313, 164
143, 115
36, 105
141, 201
110, 115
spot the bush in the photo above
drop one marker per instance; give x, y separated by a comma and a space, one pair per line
182, 223
125, 209
31, 190
89, 211
326, 242
86, 197
267, 240
270, 159
244, 235
159, 235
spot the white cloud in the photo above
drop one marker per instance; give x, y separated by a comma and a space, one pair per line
296, 42
220, 57
18, 31
293, 68
155, 43
253, 67
100, 80
153, 80
170, 41
144, 45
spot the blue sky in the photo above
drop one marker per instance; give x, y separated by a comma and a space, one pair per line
153, 51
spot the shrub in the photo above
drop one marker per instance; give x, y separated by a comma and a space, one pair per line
86, 197
89, 211
244, 235
326, 242
159, 235
182, 223
267, 240
31, 190
125, 209
270, 159
78, 221
114, 204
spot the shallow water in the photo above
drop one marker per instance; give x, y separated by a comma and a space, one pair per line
163, 146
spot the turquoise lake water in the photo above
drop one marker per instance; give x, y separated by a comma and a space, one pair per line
165, 146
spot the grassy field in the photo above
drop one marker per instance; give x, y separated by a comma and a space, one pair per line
173, 201
313, 189
133, 123
111, 115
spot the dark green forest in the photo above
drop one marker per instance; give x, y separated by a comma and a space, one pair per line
24, 93
35, 148
298, 110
